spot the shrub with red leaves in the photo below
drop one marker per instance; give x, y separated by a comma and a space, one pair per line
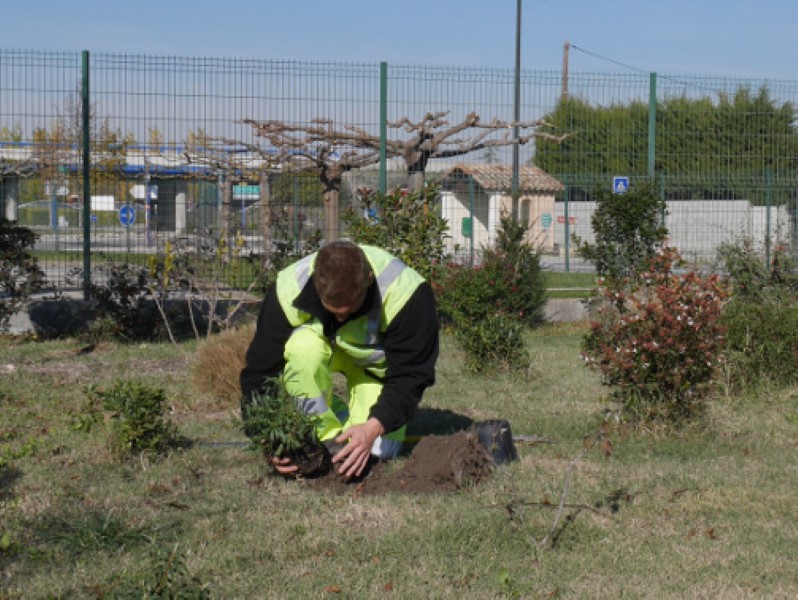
657, 340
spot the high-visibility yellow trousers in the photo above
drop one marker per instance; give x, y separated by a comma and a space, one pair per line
308, 377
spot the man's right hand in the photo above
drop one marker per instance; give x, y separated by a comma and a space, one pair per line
283, 466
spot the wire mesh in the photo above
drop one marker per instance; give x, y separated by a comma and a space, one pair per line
177, 158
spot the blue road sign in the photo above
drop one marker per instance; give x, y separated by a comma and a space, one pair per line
620, 185
127, 215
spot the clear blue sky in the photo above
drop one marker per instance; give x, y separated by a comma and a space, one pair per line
742, 38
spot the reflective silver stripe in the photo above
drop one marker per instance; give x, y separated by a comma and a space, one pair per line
372, 359
389, 275
303, 271
373, 331
312, 406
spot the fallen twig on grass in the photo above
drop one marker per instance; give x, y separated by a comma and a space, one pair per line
590, 442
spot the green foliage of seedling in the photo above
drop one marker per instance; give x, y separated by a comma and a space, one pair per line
136, 413
274, 422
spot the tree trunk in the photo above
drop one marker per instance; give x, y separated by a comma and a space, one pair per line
331, 215
415, 181
265, 216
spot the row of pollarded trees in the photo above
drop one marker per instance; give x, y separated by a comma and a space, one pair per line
328, 151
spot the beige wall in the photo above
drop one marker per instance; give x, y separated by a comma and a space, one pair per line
538, 210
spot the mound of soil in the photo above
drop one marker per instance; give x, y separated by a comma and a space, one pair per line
438, 463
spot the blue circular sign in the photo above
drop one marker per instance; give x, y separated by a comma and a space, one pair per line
127, 215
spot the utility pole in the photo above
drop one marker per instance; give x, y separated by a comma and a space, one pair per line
565, 50
516, 165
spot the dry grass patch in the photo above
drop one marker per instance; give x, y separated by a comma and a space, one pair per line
217, 364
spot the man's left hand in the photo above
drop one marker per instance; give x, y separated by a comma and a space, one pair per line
354, 456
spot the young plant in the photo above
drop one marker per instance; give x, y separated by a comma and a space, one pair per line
657, 341
404, 223
628, 230
20, 274
136, 413
277, 426
491, 304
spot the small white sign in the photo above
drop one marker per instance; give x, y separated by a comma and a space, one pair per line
102, 203
138, 191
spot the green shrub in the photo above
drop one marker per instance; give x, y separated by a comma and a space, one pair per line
20, 274
118, 291
762, 340
495, 342
136, 413
657, 341
628, 231
761, 318
750, 275
492, 303
404, 223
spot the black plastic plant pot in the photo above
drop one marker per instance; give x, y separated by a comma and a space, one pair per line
497, 438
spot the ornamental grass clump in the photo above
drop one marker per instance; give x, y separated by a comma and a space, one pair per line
657, 340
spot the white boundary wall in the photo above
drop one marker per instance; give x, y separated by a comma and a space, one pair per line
697, 227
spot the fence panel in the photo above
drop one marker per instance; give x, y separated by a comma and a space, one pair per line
174, 159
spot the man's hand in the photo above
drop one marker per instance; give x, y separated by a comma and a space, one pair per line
283, 466
355, 454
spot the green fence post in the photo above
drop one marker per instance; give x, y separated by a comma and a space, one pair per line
383, 184
471, 217
769, 203
567, 224
86, 143
652, 123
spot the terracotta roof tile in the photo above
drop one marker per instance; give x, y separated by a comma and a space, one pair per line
499, 177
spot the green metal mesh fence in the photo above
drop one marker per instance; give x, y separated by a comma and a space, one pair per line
175, 159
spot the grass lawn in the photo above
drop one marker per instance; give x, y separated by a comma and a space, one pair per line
708, 512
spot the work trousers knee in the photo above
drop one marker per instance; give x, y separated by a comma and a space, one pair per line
310, 363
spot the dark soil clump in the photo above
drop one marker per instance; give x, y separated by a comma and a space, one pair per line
438, 463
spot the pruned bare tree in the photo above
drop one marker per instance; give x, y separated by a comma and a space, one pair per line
320, 148
329, 152
434, 137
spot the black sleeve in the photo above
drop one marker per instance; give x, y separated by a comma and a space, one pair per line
411, 350
265, 355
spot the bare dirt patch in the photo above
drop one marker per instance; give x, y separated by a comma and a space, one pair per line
438, 463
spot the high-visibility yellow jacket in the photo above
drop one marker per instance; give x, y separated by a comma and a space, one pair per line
394, 335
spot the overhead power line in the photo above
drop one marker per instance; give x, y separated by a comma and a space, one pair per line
599, 56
